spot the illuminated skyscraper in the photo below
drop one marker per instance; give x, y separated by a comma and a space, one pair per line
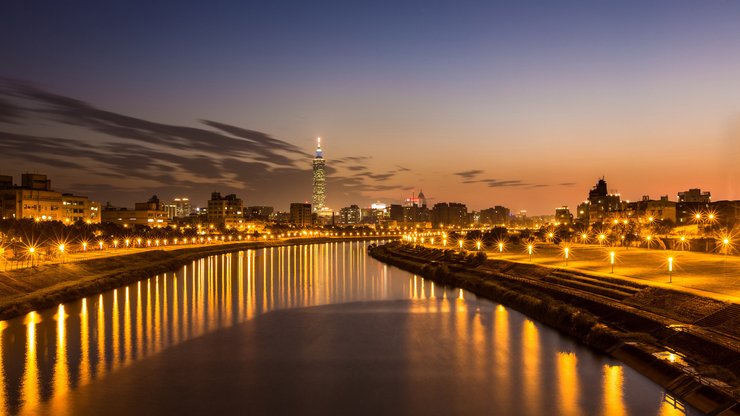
319, 179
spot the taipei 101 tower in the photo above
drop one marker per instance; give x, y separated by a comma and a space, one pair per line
319, 179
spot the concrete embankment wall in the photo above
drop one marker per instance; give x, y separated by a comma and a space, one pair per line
26, 290
606, 325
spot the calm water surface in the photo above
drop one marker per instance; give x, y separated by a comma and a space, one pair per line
346, 334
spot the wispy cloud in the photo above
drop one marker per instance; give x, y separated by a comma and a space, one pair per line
469, 174
131, 155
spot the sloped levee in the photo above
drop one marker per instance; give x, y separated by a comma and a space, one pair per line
683, 342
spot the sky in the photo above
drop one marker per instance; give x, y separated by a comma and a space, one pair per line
521, 104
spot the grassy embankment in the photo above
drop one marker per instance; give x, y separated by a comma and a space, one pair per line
25, 290
682, 341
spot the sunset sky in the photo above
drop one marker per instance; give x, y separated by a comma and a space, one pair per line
522, 104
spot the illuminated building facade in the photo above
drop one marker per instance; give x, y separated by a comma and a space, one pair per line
35, 199
227, 211
319, 179
151, 213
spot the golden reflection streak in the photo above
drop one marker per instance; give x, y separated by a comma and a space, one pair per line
240, 285
265, 303
165, 333
101, 338
175, 312
3, 404
127, 341
501, 351
228, 292
84, 344
568, 385
157, 317
30, 395
149, 334
115, 331
61, 371
613, 390
250, 293
531, 367
186, 309
139, 323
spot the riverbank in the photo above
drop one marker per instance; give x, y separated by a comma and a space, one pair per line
683, 342
26, 290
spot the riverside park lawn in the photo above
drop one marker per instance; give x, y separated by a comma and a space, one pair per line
714, 275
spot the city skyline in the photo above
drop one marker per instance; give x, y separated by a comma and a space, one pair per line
450, 99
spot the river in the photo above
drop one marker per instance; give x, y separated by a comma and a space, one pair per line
311, 329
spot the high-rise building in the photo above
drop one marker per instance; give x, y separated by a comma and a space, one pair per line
182, 207
300, 214
350, 215
226, 210
319, 179
449, 214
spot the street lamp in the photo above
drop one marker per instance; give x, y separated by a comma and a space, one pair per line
670, 269
530, 248
477, 244
567, 251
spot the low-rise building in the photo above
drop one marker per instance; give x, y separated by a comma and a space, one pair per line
35, 199
150, 213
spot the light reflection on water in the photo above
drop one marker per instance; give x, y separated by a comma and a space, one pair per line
46, 355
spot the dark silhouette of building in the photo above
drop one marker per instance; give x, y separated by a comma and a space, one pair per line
449, 214
497, 215
300, 214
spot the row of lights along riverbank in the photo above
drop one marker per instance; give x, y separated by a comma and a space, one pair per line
529, 248
61, 250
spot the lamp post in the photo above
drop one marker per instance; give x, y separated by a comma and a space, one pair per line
501, 249
567, 251
530, 247
477, 245
670, 269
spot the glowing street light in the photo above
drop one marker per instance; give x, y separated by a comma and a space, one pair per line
670, 269
127, 242
460, 243
115, 243
501, 248
566, 251
100, 244
84, 247
477, 244
530, 248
